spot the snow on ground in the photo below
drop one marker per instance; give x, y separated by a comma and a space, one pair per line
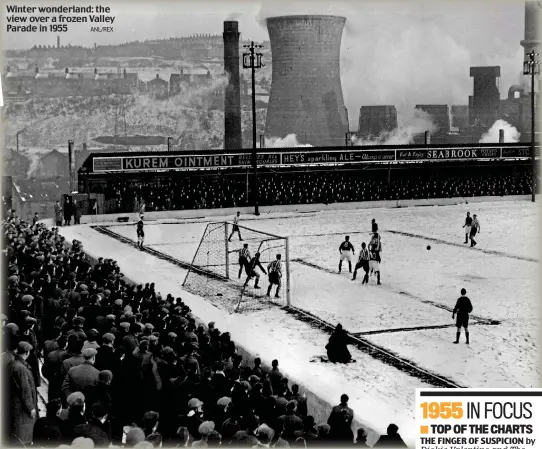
378, 394
419, 289
420, 286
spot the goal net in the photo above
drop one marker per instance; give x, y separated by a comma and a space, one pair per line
216, 272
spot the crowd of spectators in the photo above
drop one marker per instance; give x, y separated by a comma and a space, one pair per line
125, 366
305, 188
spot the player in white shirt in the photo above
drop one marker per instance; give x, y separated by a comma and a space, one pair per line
235, 227
274, 271
244, 259
467, 226
474, 229
346, 250
363, 262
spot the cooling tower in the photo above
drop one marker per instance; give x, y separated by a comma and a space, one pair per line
232, 98
306, 96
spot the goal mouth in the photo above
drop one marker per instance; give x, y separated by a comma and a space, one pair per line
220, 273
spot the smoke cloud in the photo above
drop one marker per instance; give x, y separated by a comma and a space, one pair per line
412, 122
290, 141
511, 134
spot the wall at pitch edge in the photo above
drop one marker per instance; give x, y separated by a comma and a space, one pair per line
300, 208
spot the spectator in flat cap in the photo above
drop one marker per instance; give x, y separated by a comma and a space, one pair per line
91, 341
340, 421
52, 368
78, 323
391, 439
290, 422
10, 340
74, 356
150, 422
135, 435
101, 392
75, 417
47, 428
83, 443
265, 435
23, 400
301, 400
99, 418
106, 358
87, 431
361, 438
82, 377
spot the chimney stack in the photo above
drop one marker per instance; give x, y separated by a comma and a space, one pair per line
71, 162
232, 100
58, 42
501, 135
427, 138
532, 27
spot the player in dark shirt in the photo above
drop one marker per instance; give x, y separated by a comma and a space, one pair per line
374, 226
462, 309
467, 226
251, 270
346, 250
140, 234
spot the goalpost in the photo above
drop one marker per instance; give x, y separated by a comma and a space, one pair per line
215, 272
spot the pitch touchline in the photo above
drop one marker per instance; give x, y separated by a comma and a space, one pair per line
444, 242
417, 298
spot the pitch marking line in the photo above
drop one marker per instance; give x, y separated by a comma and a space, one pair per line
445, 242
378, 353
387, 357
480, 320
419, 328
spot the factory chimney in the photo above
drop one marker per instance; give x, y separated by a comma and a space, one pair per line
532, 27
58, 42
306, 95
232, 100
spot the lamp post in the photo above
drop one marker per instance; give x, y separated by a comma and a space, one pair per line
253, 61
532, 67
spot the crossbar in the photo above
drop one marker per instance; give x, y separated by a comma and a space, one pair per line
254, 230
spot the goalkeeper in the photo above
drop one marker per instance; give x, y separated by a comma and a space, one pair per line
251, 270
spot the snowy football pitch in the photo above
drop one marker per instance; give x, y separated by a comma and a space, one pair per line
410, 313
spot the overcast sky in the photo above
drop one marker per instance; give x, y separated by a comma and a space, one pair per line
388, 48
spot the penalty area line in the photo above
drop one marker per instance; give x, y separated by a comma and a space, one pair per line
445, 242
418, 328
481, 320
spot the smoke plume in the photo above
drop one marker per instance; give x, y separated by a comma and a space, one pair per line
511, 134
290, 141
411, 123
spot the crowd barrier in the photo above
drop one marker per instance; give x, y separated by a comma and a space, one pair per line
302, 208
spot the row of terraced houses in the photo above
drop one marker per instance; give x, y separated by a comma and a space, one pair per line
69, 82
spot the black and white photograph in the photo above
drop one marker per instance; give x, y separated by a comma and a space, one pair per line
265, 223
